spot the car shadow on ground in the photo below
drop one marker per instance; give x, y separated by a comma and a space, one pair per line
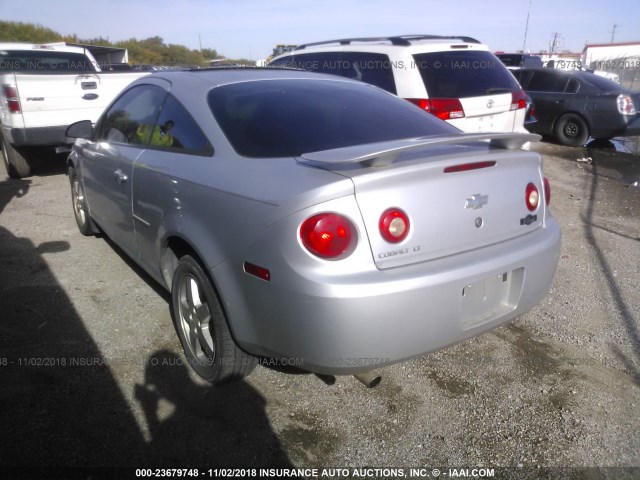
61, 406
44, 162
630, 323
197, 424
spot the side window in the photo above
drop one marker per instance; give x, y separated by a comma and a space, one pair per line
124, 121
373, 68
547, 82
572, 86
318, 62
177, 130
523, 77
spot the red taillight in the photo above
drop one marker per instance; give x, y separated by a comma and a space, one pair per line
394, 225
625, 105
422, 103
327, 235
443, 108
518, 100
13, 101
532, 197
547, 191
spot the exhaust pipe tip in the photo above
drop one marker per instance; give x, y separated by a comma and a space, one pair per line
369, 379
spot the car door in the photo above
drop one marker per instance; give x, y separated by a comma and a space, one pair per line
108, 161
164, 191
547, 88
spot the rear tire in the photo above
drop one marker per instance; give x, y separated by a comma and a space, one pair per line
202, 326
571, 130
16, 164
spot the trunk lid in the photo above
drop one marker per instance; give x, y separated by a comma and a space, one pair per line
458, 196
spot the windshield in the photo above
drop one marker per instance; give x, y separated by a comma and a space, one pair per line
463, 74
44, 61
285, 118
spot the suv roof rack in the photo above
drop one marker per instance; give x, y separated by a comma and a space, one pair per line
399, 40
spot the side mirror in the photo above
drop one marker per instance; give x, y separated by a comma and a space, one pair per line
81, 129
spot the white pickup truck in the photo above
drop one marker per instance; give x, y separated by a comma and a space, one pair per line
45, 88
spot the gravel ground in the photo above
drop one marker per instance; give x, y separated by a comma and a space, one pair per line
91, 371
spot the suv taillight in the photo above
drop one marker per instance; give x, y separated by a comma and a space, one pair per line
626, 105
518, 99
443, 108
13, 101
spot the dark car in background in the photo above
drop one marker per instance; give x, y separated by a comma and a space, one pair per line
573, 106
520, 60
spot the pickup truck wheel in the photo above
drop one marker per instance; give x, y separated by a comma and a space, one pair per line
202, 326
80, 211
15, 163
571, 130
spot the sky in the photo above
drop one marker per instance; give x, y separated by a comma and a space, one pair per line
251, 28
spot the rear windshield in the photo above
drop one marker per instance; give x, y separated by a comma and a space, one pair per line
285, 118
25, 61
463, 74
602, 83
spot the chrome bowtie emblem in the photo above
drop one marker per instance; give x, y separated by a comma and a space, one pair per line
476, 201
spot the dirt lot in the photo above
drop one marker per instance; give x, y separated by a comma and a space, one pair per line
91, 370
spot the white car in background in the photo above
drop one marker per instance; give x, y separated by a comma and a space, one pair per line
455, 78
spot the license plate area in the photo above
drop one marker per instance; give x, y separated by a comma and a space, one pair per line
490, 298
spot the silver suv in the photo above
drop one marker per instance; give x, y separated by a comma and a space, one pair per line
455, 78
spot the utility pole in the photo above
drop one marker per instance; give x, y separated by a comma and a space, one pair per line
613, 32
526, 27
554, 43
200, 40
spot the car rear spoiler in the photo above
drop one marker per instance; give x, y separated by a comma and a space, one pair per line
381, 154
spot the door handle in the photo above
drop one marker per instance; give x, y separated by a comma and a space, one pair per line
120, 177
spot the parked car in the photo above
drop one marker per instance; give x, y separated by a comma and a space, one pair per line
572, 106
45, 88
520, 60
313, 219
530, 111
456, 79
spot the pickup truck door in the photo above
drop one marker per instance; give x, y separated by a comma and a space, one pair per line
107, 162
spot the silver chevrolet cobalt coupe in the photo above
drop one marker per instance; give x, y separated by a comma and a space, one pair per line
313, 220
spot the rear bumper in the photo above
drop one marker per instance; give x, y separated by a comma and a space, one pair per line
41, 136
633, 129
615, 126
376, 318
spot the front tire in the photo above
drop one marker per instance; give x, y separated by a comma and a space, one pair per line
16, 164
80, 211
202, 326
571, 130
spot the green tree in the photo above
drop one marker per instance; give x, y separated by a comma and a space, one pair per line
151, 51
